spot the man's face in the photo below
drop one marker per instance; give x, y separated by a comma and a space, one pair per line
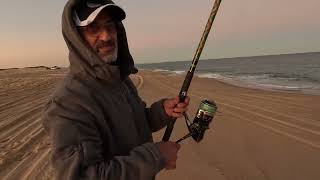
101, 36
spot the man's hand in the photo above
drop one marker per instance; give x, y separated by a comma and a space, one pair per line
169, 151
175, 109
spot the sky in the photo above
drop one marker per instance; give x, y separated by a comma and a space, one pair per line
166, 30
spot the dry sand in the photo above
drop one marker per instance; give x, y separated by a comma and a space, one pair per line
257, 135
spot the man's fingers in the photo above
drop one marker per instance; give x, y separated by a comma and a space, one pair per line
177, 115
187, 100
180, 110
185, 103
182, 105
171, 162
176, 100
175, 144
173, 101
178, 146
171, 165
174, 108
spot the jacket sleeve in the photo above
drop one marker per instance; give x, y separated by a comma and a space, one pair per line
157, 116
77, 149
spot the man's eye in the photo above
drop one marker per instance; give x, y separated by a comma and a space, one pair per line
110, 26
93, 28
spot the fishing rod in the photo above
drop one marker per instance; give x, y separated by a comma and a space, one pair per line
201, 122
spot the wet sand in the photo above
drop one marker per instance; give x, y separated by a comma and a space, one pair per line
256, 135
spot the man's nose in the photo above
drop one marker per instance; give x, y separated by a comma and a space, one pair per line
105, 35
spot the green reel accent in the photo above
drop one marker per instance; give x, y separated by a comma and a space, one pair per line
207, 108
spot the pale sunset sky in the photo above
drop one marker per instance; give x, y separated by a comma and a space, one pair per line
166, 30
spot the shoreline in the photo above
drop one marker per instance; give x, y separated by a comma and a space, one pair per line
240, 83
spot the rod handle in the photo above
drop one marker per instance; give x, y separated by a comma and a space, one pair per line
172, 121
169, 129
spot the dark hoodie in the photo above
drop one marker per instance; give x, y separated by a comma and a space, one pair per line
98, 125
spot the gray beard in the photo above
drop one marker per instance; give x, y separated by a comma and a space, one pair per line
112, 57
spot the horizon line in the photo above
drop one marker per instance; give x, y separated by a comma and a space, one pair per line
43, 66
235, 57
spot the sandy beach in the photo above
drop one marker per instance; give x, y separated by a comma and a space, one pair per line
257, 134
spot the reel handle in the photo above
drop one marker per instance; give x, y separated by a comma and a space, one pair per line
184, 137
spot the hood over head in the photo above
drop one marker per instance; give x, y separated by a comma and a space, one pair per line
83, 59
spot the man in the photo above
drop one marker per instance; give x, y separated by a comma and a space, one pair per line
98, 125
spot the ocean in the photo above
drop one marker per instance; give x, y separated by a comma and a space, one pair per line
290, 72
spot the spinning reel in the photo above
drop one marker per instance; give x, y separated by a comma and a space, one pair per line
200, 124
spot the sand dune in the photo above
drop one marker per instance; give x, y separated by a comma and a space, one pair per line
256, 134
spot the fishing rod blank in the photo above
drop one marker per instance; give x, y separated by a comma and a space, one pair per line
189, 76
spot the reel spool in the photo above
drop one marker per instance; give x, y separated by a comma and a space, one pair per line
200, 124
